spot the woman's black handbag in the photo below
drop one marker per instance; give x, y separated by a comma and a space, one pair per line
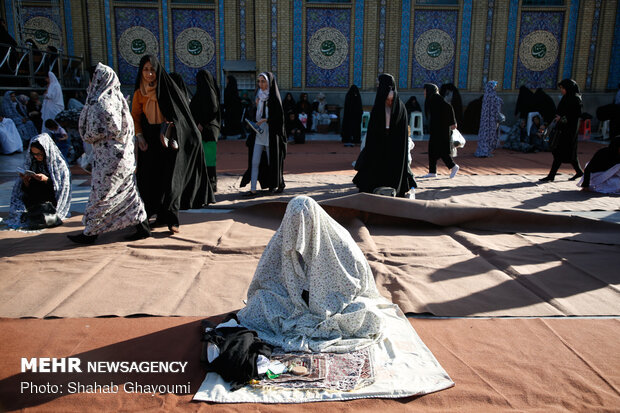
42, 216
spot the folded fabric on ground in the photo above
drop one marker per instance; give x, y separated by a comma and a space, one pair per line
401, 365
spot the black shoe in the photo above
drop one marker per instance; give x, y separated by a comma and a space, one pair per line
82, 238
546, 179
279, 190
250, 194
174, 228
576, 176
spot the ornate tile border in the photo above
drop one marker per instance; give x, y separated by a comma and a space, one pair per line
510, 43
593, 39
487, 43
403, 76
166, 35
465, 39
381, 56
614, 65
274, 36
570, 39
68, 26
358, 59
8, 7
297, 45
108, 32
242, 31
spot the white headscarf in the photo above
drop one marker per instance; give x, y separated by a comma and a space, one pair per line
263, 97
106, 108
59, 174
53, 103
312, 252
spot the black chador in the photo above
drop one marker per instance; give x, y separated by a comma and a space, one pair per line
440, 116
603, 159
205, 107
352, 118
270, 173
383, 161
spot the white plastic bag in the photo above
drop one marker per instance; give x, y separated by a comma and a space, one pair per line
456, 141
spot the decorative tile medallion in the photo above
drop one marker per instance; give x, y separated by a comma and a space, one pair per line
137, 31
328, 34
193, 31
42, 26
434, 44
194, 47
541, 35
136, 42
328, 48
538, 50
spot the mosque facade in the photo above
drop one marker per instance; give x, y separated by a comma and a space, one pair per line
320, 45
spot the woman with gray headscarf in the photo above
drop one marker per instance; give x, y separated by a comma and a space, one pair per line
106, 123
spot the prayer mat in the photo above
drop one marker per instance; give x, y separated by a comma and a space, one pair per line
400, 365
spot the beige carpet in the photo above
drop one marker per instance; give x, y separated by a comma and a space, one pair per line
427, 257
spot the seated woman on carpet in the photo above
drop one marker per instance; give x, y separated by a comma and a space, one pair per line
313, 289
602, 173
313, 298
42, 192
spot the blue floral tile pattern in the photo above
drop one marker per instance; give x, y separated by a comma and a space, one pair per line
539, 40
510, 43
614, 67
328, 37
434, 38
193, 32
125, 18
593, 39
297, 33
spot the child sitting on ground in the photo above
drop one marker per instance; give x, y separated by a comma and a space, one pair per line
60, 137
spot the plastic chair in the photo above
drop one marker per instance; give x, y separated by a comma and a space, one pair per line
416, 122
365, 120
586, 128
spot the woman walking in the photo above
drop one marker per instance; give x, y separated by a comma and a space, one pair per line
383, 162
564, 145
169, 178
106, 123
267, 147
205, 109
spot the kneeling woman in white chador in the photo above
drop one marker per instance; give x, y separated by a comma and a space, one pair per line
313, 289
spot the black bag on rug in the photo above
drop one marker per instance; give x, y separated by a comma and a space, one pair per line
385, 191
42, 216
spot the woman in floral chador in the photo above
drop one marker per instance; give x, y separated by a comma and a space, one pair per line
490, 118
106, 123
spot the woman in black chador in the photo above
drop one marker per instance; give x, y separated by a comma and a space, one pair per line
351, 132
205, 108
383, 161
544, 104
525, 102
564, 144
233, 110
451, 95
267, 149
440, 115
169, 179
